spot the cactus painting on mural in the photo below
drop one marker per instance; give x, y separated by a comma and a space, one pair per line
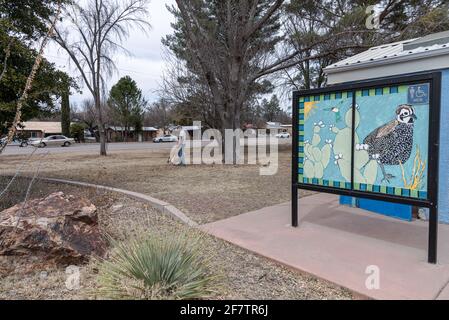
365, 169
317, 158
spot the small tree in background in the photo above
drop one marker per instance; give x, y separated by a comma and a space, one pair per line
77, 132
85, 113
65, 113
127, 105
160, 114
271, 108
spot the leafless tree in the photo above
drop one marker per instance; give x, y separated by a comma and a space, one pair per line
330, 31
159, 114
86, 114
187, 94
92, 34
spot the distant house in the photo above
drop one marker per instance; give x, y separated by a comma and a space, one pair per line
277, 127
287, 128
39, 129
176, 130
117, 134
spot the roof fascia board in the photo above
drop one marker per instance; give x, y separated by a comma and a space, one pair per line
387, 61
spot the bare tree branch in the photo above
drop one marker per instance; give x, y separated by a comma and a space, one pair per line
94, 33
289, 62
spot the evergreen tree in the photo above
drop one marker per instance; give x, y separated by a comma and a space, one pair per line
128, 105
271, 109
22, 24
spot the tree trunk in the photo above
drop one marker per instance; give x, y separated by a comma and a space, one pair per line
65, 113
101, 127
102, 140
231, 121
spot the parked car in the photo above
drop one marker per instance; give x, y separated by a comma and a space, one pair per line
166, 138
61, 141
90, 139
283, 135
16, 142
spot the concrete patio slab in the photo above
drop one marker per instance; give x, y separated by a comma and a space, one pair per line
338, 244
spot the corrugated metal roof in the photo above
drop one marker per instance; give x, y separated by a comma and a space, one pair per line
115, 128
389, 53
149, 129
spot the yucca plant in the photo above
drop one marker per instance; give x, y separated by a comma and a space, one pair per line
156, 268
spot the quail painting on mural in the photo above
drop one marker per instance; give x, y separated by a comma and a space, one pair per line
392, 143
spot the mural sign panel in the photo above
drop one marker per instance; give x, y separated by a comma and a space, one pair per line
391, 140
375, 140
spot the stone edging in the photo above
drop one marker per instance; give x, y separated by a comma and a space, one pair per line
158, 204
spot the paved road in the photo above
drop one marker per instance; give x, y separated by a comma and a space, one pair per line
89, 148
93, 148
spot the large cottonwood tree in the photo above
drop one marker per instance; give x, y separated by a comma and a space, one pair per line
91, 34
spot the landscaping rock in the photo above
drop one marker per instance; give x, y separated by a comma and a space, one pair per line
61, 229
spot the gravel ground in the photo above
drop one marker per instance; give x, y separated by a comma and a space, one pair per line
244, 275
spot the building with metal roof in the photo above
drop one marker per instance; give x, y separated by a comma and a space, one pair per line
409, 56
39, 129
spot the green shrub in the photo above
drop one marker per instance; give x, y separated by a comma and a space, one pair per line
77, 132
156, 269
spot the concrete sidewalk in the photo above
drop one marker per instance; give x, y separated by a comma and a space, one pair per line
338, 243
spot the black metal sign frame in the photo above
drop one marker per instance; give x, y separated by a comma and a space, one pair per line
431, 202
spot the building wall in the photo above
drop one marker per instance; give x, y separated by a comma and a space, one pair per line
149, 135
30, 133
116, 136
444, 151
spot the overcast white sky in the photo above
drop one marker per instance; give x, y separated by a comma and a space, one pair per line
145, 65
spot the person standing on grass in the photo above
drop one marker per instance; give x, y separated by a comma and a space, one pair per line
182, 146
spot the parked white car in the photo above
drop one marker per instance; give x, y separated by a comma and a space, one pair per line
166, 138
60, 141
283, 135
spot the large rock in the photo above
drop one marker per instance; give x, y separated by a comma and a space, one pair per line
61, 229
